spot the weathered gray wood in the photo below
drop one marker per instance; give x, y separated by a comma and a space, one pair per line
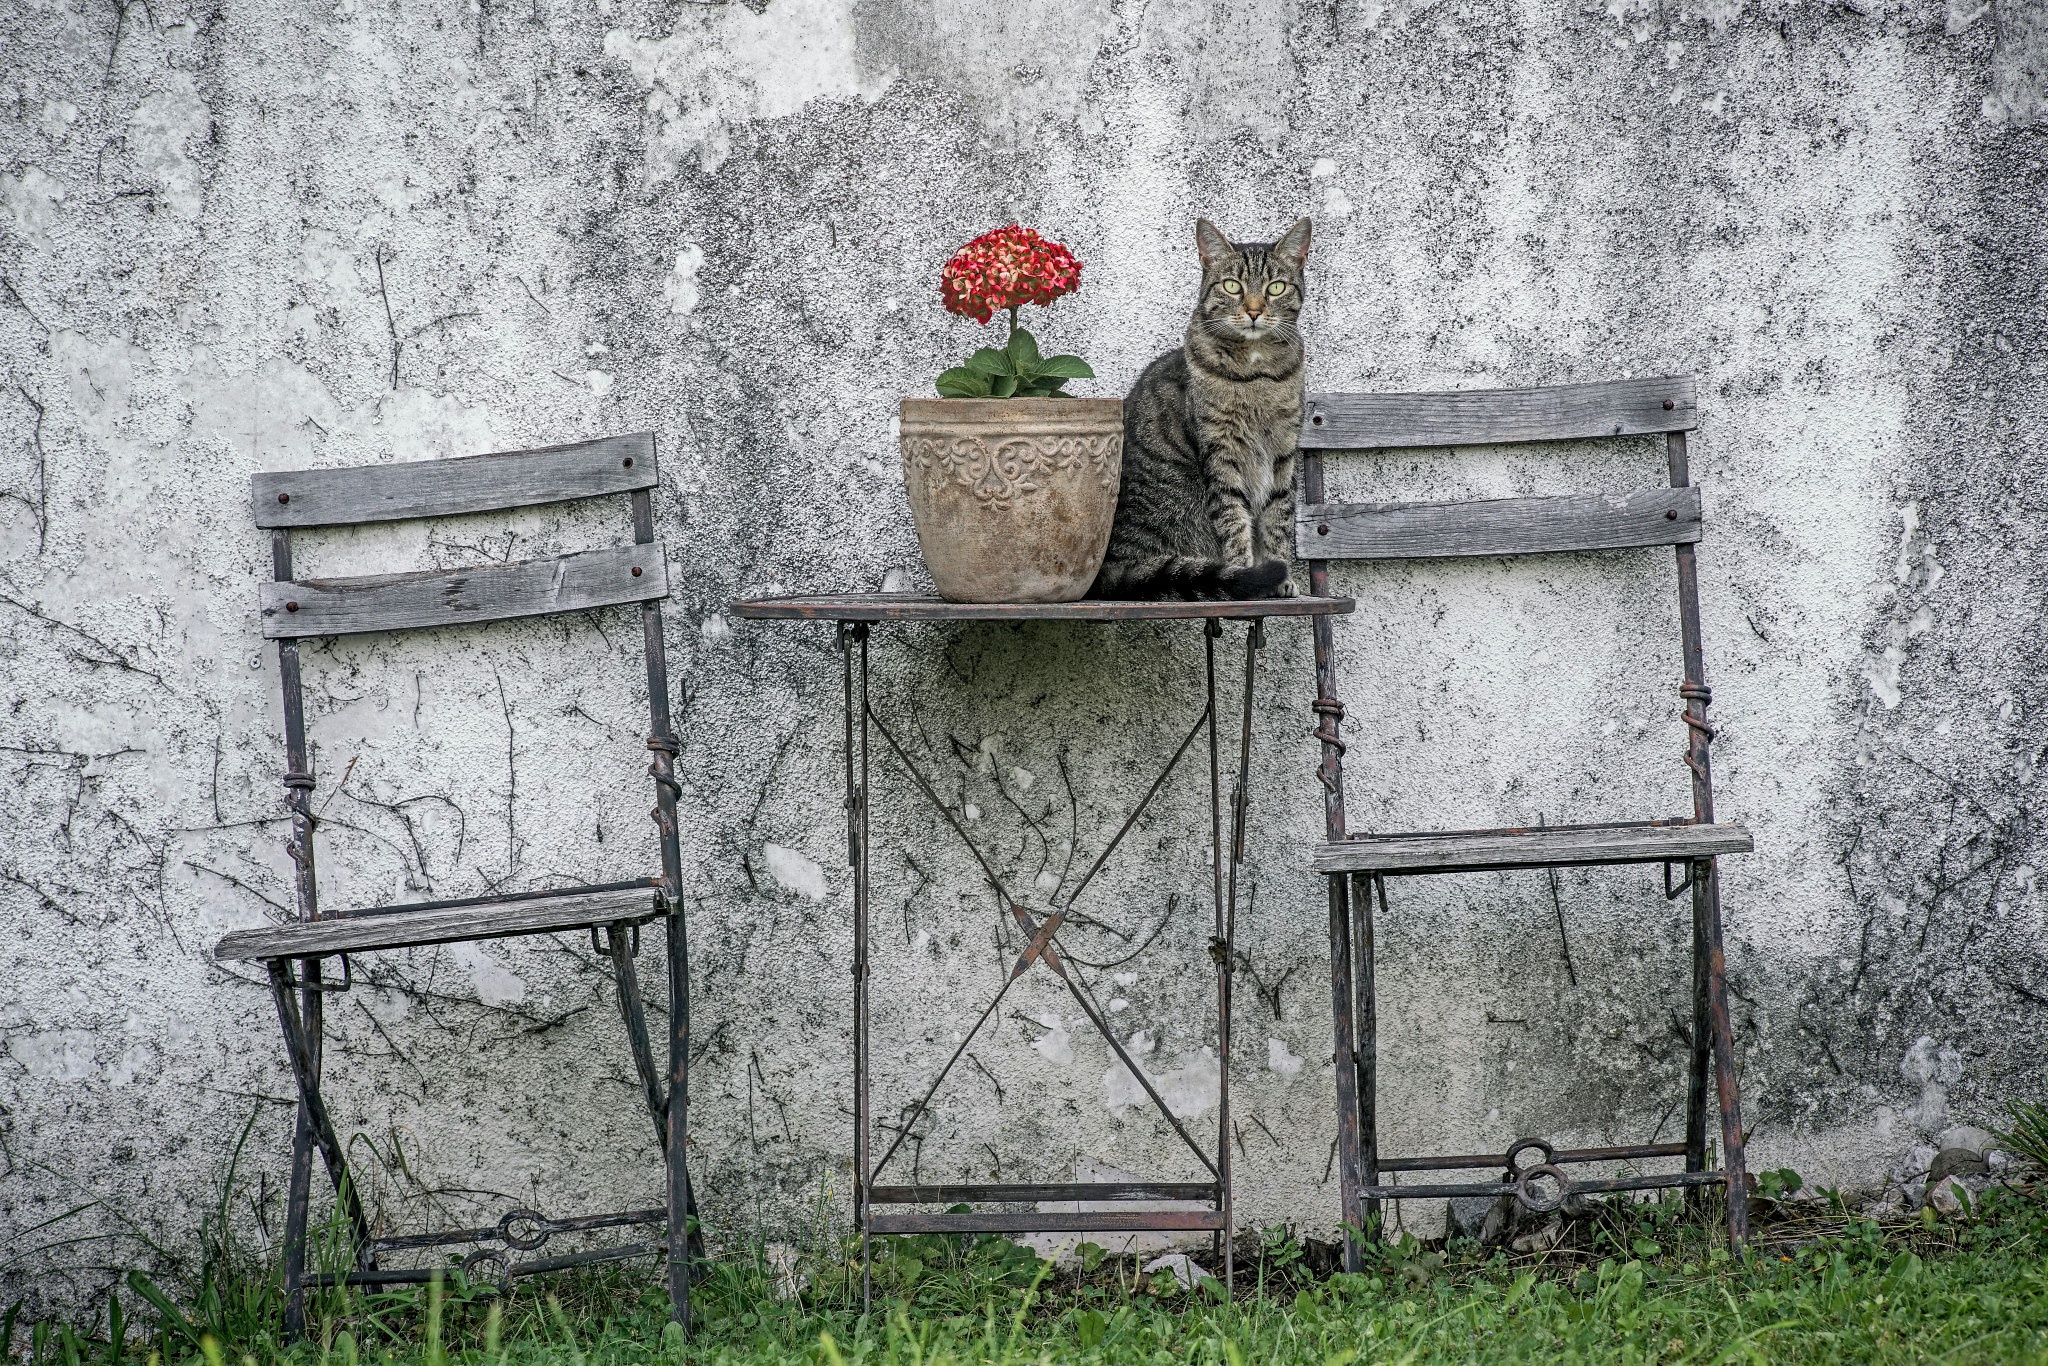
1560, 844
400, 928
1064, 1190
916, 607
443, 488
1487, 417
453, 597
1497, 526
1136, 1221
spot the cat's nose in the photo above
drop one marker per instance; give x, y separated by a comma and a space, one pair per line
1254, 307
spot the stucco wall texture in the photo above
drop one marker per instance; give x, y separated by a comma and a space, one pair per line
254, 236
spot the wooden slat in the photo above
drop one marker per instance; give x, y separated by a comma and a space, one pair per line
453, 597
404, 929
1074, 1190
1136, 1221
1497, 526
1489, 417
1562, 844
443, 488
917, 607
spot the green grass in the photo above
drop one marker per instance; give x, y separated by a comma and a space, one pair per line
1643, 1283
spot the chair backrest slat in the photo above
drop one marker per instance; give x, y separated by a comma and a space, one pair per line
1497, 526
442, 488
452, 597
1491, 417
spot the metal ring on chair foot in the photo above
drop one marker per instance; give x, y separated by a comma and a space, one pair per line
526, 1242
1526, 1194
1524, 1145
488, 1256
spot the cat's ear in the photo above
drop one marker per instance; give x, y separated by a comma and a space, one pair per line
1293, 244
1212, 245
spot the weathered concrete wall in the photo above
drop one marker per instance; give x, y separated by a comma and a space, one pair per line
251, 237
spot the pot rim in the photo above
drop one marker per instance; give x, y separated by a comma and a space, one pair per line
989, 407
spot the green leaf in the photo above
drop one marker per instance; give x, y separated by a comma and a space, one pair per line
1066, 367
960, 382
991, 362
1003, 386
1023, 351
1040, 388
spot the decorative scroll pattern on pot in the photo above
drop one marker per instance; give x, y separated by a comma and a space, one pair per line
998, 472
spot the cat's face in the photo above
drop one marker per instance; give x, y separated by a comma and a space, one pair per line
1251, 290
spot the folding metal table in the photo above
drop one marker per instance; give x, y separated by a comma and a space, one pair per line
854, 615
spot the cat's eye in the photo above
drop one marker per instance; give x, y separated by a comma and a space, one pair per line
1232, 287
1277, 288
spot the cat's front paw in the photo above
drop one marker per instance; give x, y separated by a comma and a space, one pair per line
1286, 589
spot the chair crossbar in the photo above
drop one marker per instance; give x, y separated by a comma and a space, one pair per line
1493, 417
1630, 1152
443, 488
1457, 1190
1131, 1221
1497, 526
1044, 1191
293, 609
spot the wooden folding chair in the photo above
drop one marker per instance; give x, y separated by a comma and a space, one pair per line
1359, 865
295, 609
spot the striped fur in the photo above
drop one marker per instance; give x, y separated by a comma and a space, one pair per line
1206, 501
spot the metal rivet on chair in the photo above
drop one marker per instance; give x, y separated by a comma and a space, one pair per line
1669, 405
629, 459
284, 497
291, 607
1317, 419
1670, 514
636, 571
1323, 530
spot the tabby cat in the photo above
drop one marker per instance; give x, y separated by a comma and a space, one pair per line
1206, 503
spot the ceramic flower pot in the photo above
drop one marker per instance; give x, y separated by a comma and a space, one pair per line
1013, 498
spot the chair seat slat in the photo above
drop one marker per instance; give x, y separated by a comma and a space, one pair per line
1557, 846
1493, 417
1497, 526
447, 925
455, 597
444, 488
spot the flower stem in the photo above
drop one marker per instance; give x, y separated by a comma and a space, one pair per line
1013, 326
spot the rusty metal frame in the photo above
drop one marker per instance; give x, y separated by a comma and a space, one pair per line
861, 721
299, 999
1353, 992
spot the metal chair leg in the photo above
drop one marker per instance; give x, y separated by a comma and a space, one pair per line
1367, 1045
1344, 1057
1702, 1047
680, 1204
1724, 1067
634, 1012
315, 1125
298, 1196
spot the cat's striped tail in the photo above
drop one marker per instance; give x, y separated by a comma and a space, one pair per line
1187, 577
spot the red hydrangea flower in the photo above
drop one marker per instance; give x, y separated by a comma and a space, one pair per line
1006, 268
